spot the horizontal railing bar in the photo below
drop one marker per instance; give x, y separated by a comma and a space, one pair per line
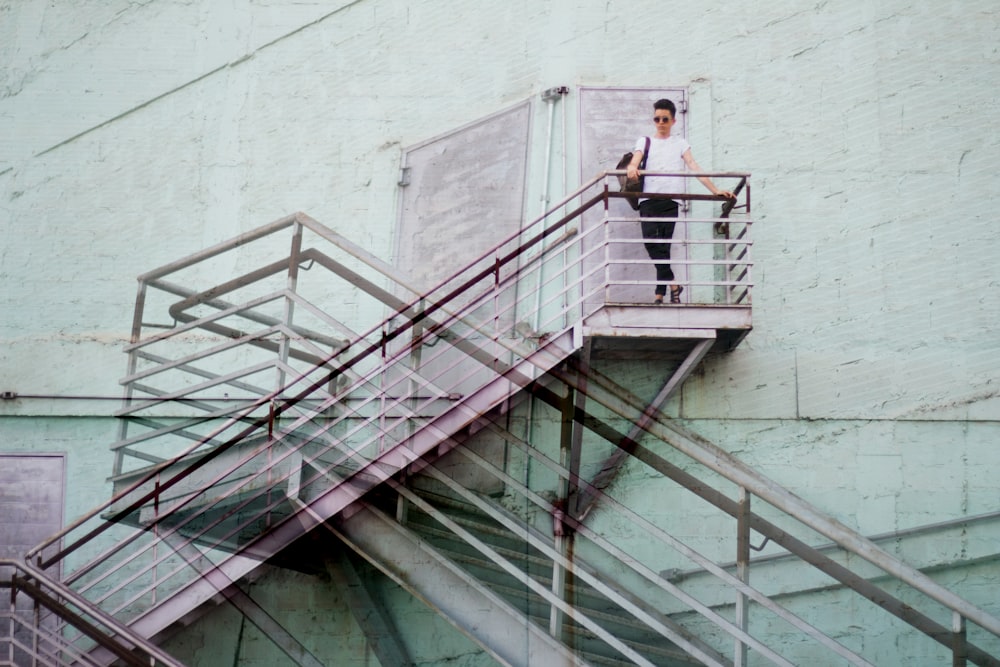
160, 429
196, 323
682, 174
617, 221
673, 242
220, 248
676, 262
182, 394
676, 281
207, 323
194, 370
139, 454
246, 311
211, 296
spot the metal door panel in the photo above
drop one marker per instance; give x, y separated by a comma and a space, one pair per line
465, 193
31, 510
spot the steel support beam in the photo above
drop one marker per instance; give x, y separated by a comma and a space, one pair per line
369, 613
483, 616
609, 470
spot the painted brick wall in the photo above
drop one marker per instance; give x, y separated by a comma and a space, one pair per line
144, 132
136, 133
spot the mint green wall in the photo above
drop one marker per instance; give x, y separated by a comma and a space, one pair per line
137, 133
143, 134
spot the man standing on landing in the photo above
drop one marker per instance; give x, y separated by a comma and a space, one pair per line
667, 153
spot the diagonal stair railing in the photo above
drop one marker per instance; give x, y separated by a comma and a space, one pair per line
261, 434
236, 407
645, 585
39, 608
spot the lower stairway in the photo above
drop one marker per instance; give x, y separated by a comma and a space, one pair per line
521, 577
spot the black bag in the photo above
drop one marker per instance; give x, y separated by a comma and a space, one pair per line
632, 186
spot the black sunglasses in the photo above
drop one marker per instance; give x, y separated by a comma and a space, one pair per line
661, 119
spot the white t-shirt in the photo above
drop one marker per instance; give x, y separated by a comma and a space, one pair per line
665, 155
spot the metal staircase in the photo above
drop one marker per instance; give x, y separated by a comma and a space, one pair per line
261, 408
661, 588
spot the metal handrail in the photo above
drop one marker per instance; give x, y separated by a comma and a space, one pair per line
243, 239
620, 401
810, 555
434, 315
245, 414
541, 544
54, 595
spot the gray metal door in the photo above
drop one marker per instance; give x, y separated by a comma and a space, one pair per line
464, 193
31, 510
611, 119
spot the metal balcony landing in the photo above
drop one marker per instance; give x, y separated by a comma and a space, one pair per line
629, 331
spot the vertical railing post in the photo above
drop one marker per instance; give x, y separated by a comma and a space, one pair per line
289, 304
742, 572
497, 306
133, 363
416, 360
564, 277
36, 620
383, 400
12, 625
959, 648
727, 256
559, 588
605, 223
272, 410
749, 247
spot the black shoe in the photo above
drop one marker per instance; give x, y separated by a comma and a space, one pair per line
675, 294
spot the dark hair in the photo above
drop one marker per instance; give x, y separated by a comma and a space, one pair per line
667, 105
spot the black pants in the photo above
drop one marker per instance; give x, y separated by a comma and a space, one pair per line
659, 208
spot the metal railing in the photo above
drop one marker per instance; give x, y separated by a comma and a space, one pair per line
38, 609
252, 401
710, 254
249, 393
666, 577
